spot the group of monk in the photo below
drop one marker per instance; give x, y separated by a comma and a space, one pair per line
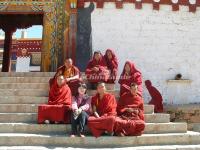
69, 102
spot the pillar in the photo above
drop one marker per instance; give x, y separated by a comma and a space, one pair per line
7, 50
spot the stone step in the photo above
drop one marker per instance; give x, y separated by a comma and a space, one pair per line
24, 86
33, 108
24, 92
23, 100
27, 74
196, 127
24, 79
114, 92
151, 128
41, 92
157, 147
19, 139
40, 85
30, 74
41, 100
32, 117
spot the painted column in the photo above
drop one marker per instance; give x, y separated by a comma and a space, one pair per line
7, 48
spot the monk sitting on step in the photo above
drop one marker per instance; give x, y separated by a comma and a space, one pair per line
104, 112
58, 109
71, 75
129, 75
97, 70
112, 64
130, 110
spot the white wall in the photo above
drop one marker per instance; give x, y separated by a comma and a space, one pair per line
161, 43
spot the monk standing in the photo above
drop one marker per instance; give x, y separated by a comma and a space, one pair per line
59, 104
71, 74
97, 70
130, 110
156, 97
130, 75
104, 112
112, 64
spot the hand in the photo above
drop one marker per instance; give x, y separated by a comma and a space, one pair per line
129, 110
132, 110
79, 111
95, 69
67, 79
136, 111
76, 112
96, 115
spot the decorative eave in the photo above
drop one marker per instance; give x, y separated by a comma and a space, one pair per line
192, 4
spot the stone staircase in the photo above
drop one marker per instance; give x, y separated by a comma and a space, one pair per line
21, 93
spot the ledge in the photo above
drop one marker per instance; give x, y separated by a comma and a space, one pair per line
179, 81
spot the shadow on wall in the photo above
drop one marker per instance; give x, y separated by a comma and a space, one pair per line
84, 37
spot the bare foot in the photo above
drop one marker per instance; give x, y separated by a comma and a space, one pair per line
121, 134
72, 136
81, 135
47, 122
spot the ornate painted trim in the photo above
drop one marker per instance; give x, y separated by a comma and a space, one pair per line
192, 4
53, 27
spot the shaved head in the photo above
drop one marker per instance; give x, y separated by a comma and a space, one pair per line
68, 62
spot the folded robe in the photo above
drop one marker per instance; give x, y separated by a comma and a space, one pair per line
59, 105
106, 108
130, 123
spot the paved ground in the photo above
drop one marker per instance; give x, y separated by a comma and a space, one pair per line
168, 147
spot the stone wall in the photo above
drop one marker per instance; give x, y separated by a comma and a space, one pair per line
161, 43
185, 113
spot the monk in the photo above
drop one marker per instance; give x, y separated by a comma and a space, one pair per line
112, 64
59, 104
71, 74
130, 110
104, 112
97, 70
156, 97
129, 75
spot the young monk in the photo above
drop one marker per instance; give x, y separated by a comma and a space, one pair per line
59, 104
129, 75
97, 70
104, 112
71, 74
130, 110
157, 99
81, 110
112, 64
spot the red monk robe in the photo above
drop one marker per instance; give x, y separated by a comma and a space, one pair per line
69, 73
130, 75
156, 97
130, 123
58, 108
96, 70
112, 64
106, 108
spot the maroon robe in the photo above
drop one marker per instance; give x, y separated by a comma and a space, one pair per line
59, 105
106, 108
112, 65
156, 97
100, 76
126, 80
130, 123
73, 84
